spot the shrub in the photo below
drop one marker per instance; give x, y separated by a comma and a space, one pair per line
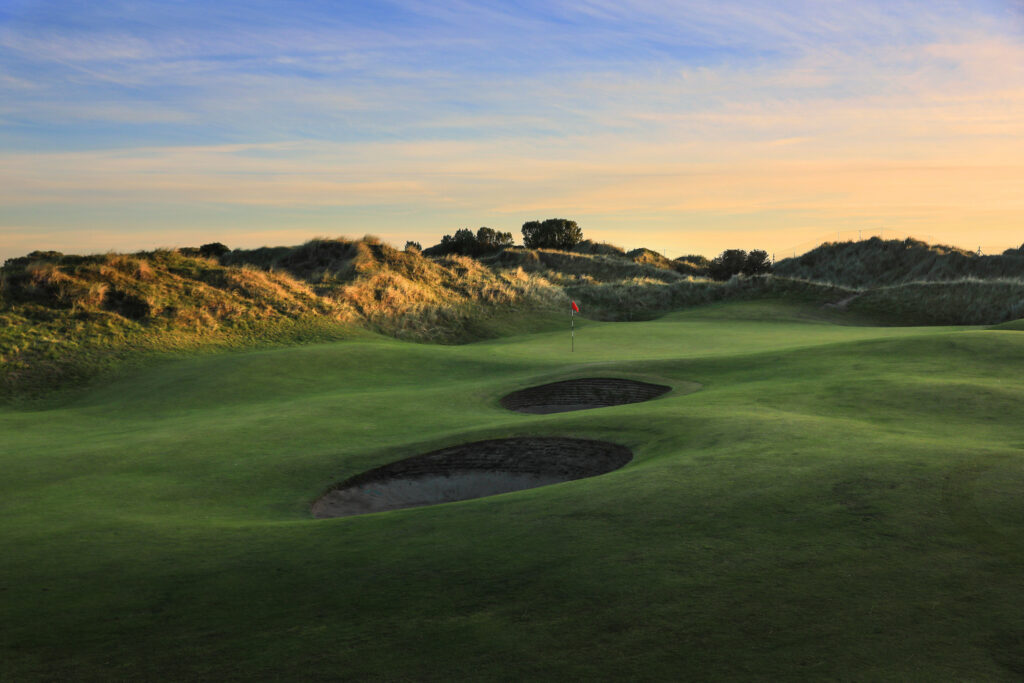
757, 263
465, 243
736, 261
413, 247
213, 250
553, 233
488, 240
730, 262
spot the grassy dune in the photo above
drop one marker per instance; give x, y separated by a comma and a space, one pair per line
837, 502
875, 262
967, 301
65, 320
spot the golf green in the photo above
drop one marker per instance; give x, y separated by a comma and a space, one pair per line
835, 502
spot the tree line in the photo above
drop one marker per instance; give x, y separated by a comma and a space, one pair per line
564, 234
553, 233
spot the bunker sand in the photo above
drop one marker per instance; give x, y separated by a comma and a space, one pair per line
582, 394
473, 470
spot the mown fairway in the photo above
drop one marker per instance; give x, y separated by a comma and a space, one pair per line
836, 502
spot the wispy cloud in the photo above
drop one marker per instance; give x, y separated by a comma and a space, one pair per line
731, 113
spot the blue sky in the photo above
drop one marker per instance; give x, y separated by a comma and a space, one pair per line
686, 126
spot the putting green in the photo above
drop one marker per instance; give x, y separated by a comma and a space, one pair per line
836, 502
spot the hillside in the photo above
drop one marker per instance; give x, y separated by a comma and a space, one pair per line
876, 262
65, 318
910, 282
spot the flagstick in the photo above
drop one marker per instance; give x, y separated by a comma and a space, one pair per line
572, 325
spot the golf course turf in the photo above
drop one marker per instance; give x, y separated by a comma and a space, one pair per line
836, 502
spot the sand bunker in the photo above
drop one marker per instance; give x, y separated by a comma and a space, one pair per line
581, 394
473, 470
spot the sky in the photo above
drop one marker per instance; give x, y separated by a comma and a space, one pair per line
686, 127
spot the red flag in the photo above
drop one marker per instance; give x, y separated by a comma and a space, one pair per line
575, 307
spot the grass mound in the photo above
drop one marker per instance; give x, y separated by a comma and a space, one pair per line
601, 248
650, 257
876, 262
956, 302
66, 318
402, 293
643, 298
563, 267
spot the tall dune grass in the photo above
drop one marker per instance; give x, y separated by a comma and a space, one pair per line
66, 316
876, 262
641, 299
968, 301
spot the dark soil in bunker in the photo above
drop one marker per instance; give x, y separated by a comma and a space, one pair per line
473, 470
582, 394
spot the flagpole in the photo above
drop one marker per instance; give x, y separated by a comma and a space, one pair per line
572, 325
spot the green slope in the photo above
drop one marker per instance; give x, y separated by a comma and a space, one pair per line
836, 502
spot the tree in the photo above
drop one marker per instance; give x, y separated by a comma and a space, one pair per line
464, 242
488, 240
730, 262
757, 262
553, 233
736, 261
213, 249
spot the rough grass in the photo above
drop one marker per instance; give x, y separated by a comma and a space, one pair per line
836, 503
650, 257
604, 248
968, 301
563, 267
642, 298
403, 293
67, 318
876, 262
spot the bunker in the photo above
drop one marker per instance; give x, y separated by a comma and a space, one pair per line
582, 394
472, 470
